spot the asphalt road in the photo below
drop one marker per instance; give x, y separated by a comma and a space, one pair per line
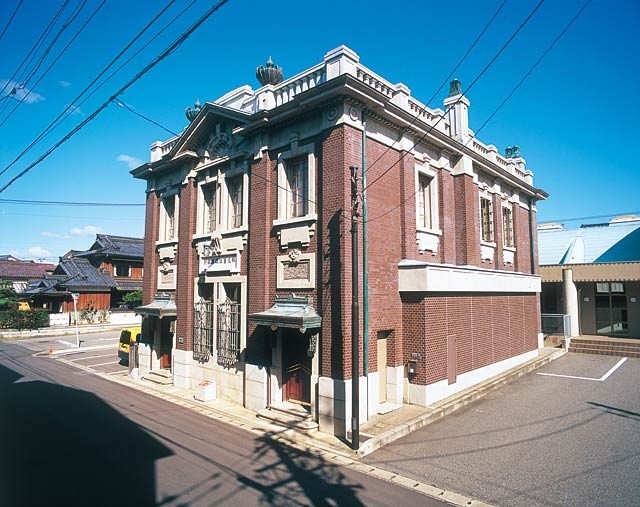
544, 440
72, 438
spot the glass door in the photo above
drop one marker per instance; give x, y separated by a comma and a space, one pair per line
611, 309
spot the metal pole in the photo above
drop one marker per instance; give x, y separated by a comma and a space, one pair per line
355, 315
75, 312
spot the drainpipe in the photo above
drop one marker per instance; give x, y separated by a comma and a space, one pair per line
365, 275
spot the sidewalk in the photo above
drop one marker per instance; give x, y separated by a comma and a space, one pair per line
26, 334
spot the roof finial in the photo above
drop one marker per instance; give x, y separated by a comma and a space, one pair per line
270, 73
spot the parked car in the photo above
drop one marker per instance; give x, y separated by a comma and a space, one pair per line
128, 336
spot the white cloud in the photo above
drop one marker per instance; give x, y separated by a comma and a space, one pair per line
48, 234
87, 230
132, 162
64, 84
75, 110
37, 252
26, 95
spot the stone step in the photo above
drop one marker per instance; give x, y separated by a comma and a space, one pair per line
604, 351
290, 416
598, 343
161, 377
600, 346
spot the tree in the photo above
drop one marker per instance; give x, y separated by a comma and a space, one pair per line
8, 297
133, 299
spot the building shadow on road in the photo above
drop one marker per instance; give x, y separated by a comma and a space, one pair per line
64, 446
297, 478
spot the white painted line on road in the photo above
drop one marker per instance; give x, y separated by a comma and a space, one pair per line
67, 343
601, 379
618, 364
103, 364
90, 357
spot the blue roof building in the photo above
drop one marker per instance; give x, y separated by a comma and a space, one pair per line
604, 260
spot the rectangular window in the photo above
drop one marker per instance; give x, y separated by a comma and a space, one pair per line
426, 217
234, 187
298, 188
602, 287
486, 219
210, 195
507, 227
122, 269
167, 220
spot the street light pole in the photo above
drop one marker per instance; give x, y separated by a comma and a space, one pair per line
75, 297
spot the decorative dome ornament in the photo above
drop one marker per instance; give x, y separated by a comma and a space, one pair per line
192, 112
269, 73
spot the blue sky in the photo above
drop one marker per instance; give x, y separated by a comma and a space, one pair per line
574, 118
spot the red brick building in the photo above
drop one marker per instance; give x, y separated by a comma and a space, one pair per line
252, 204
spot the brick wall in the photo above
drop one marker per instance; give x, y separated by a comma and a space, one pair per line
187, 265
466, 202
391, 237
151, 224
521, 232
488, 328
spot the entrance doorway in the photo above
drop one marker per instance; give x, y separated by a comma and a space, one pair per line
166, 342
611, 309
297, 367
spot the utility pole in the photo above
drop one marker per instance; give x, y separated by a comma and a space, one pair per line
355, 313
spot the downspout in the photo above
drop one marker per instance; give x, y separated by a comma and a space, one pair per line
365, 275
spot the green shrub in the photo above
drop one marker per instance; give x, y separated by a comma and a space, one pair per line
32, 319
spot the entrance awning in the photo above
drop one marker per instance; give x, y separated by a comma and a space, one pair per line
162, 305
290, 311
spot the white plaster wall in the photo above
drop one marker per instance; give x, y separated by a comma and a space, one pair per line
372, 383
181, 368
432, 393
395, 384
144, 358
255, 387
334, 405
128, 318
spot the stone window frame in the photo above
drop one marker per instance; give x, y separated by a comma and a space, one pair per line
296, 152
423, 172
221, 179
164, 233
488, 198
508, 226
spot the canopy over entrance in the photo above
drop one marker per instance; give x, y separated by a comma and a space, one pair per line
289, 311
162, 305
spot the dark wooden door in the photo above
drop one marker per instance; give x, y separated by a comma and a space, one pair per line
166, 343
297, 382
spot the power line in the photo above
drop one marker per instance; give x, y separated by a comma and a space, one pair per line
473, 83
62, 52
75, 104
65, 203
527, 74
36, 46
170, 49
105, 219
121, 104
446, 80
6, 27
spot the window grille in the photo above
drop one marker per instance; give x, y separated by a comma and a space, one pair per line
203, 330
228, 335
